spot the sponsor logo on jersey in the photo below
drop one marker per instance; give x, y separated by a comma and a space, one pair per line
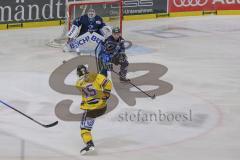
90, 27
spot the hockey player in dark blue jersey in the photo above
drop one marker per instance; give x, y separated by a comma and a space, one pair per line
112, 51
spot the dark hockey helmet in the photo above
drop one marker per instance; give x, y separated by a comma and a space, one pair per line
82, 70
116, 30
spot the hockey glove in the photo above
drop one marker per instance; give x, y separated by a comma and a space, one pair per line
106, 96
109, 66
122, 57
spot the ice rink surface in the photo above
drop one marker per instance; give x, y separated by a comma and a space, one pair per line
202, 55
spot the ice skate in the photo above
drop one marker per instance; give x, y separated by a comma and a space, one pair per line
89, 148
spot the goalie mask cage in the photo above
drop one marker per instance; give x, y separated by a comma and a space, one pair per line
109, 10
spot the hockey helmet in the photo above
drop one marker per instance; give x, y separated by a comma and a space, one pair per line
82, 70
116, 30
91, 13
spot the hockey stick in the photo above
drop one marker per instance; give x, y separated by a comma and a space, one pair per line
96, 57
44, 125
153, 96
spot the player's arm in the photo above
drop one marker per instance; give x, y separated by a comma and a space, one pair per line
78, 85
122, 47
102, 24
106, 86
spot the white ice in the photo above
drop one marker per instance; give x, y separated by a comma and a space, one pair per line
202, 55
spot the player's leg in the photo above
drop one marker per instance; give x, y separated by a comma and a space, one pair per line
123, 70
86, 127
87, 123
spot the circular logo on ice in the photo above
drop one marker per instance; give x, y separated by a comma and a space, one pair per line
189, 3
150, 78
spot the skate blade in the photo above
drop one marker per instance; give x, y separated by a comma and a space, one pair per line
87, 152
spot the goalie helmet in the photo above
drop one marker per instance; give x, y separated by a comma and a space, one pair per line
82, 70
91, 13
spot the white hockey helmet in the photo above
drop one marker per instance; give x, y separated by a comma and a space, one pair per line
91, 13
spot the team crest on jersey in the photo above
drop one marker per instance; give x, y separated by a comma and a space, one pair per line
90, 27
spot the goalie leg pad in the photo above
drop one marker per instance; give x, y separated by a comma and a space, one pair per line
106, 31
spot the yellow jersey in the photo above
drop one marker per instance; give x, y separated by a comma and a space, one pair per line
94, 91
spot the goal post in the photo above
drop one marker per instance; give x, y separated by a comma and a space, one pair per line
109, 10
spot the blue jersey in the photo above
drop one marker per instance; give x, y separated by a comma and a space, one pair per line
104, 58
103, 55
89, 25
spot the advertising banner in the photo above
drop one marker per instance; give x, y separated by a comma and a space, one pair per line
31, 10
226, 4
132, 7
203, 5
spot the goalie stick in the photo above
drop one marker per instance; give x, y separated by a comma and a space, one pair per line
44, 125
151, 96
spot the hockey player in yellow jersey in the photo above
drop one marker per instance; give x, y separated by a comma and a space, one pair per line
95, 89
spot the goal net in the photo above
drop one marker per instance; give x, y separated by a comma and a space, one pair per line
109, 10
